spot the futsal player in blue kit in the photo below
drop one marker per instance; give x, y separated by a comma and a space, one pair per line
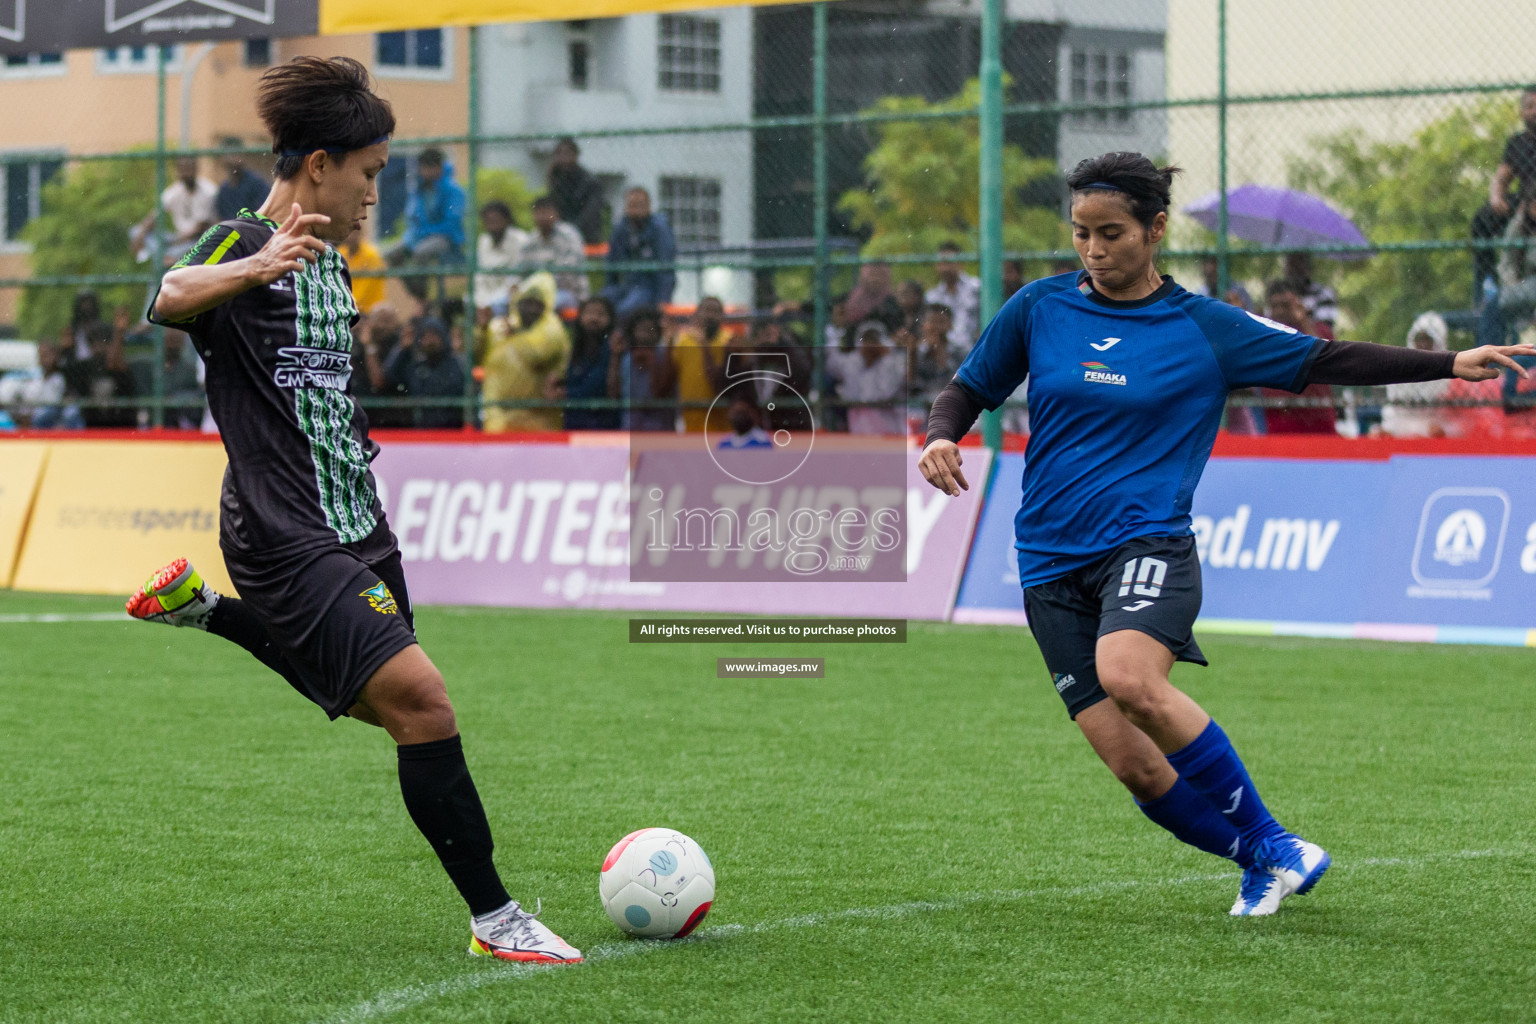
1128, 374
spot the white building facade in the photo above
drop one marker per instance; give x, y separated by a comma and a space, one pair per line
674, 71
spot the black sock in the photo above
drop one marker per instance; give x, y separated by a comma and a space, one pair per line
442, 801
235, 622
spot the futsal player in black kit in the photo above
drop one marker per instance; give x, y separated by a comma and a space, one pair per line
267, 299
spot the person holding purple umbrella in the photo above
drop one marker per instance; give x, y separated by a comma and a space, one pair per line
1128, 374
1293, 219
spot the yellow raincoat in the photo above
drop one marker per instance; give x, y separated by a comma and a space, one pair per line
518, 361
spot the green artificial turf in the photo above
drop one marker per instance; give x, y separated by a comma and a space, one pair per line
920, 836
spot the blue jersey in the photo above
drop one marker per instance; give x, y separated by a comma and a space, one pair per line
1124, 402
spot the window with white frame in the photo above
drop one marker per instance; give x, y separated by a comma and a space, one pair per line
692, 206
24, 181
136, 58
419, 53
688, 53
1103, 76
19, 65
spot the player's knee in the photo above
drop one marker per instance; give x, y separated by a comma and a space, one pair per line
430, 704
422, 705
1136, 691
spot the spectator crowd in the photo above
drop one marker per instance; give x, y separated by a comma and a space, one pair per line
540, 340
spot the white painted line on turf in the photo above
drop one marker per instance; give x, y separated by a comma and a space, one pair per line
65, 617
388, 1003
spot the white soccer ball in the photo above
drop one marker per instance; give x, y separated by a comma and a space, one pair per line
657, 884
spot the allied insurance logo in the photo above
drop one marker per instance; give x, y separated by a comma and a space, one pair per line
1460, 542
1098, 373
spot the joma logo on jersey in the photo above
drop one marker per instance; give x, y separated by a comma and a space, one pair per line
1098, 373
381, 600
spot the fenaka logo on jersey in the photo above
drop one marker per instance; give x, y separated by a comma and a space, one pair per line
381, 600
1064, 680
1098, 373
300, 367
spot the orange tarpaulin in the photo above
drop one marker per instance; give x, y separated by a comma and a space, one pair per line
341, 16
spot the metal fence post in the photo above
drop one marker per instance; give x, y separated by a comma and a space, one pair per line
990, 186
472, 240
157, 237
819, 162
1223, 268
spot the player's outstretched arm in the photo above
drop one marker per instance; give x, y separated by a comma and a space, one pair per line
1361, 363
187, 291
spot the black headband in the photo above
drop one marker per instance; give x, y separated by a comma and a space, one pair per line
331, 149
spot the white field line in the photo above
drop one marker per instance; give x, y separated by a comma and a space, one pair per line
65, 617
394, 1001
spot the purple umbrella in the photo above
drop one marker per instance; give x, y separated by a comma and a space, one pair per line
1280, 217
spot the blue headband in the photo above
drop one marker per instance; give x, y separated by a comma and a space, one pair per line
331, 149
1102, 185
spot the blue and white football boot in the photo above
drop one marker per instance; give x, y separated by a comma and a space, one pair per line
1287, 865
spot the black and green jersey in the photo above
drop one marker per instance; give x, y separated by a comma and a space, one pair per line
278, 368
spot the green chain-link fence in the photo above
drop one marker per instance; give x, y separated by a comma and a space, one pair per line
803, 153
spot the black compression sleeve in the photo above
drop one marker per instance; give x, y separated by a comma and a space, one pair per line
441, 799
953, 414
1360, 362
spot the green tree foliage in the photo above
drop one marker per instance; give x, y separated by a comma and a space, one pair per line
83, 229
1426, 187
922, 183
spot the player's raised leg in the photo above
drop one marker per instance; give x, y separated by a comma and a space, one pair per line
408, 699
1133, 669
177, 595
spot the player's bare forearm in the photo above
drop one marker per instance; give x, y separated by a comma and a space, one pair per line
186, 292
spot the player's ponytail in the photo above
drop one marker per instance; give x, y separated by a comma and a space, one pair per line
1149, 188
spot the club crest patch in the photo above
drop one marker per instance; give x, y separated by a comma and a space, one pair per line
381, 600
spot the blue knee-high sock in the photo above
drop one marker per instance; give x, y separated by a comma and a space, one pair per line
1192, 819
1217, 773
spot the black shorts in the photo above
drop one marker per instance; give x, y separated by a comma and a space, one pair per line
335, 615
1150, 584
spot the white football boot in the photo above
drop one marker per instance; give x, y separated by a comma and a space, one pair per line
512, 933
1287, 865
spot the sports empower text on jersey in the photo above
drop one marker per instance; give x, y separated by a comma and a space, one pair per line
278, 362
1124, 402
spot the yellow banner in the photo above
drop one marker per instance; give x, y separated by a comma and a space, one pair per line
109, 513
21, 466
342, 16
